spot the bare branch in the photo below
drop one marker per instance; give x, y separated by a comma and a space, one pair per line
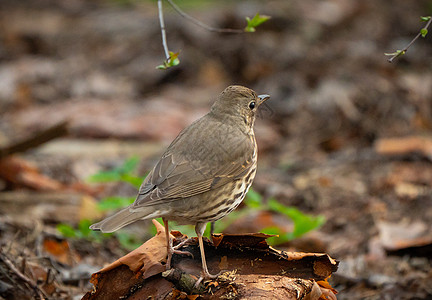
201, 24
405, 49
162, 26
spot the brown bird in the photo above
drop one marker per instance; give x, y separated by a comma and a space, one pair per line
204, 174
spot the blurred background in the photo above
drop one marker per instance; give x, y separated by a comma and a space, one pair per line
344, 143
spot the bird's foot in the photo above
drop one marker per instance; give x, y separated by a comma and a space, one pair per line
182, 252
174, 250
178, 246
185, 242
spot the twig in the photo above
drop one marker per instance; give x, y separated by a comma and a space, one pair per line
201, 24
39, 138
405, 49
162, 26
23, 277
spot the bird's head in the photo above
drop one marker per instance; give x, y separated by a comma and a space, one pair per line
239, 103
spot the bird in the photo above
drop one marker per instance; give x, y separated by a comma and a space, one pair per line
203, 175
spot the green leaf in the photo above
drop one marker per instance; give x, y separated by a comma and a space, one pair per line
129, 165
128, 241
255, 22
114, 203
83, 227
253, 199
121, 173
425, 19
66, 230
397, 53
172, 61
133, 180
423, 32
303, 223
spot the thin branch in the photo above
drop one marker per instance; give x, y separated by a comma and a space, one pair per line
201, 24
37, 139
404, 50
162, 26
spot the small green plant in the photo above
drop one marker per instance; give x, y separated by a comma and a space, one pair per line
82, 231
303, 223
123, 173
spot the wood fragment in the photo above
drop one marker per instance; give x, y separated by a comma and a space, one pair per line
35, 140
274, 274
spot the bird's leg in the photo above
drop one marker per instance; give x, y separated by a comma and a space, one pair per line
170, 249
169, 244
199, 229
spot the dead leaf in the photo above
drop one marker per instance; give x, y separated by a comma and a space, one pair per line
405, 146
88, 208
147, 258
59, 249
21, 172
403, 235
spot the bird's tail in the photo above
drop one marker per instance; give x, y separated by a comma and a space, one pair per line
119, 220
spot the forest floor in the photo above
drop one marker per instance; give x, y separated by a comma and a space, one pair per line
345, 135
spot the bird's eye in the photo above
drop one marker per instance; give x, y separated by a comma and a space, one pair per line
252, 105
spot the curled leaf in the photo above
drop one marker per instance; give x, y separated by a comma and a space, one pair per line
397, 53
255, 22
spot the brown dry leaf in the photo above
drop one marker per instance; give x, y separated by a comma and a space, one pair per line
405, 145
88, 208
326, 289
147, 258
403, 235
60, 250
19, 171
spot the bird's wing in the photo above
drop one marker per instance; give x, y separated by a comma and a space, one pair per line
181, 174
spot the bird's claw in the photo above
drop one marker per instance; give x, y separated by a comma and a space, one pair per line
186, 241
182, 252
206, 275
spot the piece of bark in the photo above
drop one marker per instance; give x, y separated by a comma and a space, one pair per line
251, 270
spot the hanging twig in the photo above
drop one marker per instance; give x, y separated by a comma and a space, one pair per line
201, 24
422, 33
162, 26
171, 57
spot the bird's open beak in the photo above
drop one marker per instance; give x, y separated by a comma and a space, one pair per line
263, 98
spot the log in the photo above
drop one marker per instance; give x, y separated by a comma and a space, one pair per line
250, 270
